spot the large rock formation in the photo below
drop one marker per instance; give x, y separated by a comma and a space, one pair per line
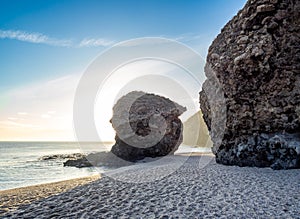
254, 67
146, 125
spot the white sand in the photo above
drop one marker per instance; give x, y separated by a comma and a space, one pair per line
188, 189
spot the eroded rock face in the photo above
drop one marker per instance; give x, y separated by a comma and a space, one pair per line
255, 61
146, 125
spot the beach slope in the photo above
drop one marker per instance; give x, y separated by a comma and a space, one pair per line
13, 198
185, 187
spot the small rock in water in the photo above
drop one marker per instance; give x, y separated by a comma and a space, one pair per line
99, 159
79, 163
62, 156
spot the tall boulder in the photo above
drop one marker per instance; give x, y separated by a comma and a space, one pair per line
146, 125
253, 69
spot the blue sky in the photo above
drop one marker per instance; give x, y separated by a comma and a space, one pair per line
113, 21
45, 45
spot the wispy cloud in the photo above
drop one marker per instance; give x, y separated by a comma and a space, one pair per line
95, 42
23, 125
40, 111
45, 116
12, 118
22, 113
38, 38
189, 37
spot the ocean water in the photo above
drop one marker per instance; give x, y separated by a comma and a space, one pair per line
20, 163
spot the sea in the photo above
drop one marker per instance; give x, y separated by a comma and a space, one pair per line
21, 164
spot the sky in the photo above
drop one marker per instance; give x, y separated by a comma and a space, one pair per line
45, 46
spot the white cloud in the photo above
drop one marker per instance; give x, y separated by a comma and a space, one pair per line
39, 111
40, 38
46, 116
32, 38
17, 124
189, 37
95, 42
22, 113
12, 118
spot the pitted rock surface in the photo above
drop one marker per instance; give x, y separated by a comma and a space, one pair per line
255, 61
146, 125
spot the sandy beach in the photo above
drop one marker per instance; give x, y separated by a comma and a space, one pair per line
13, 198
174, 187
150, 109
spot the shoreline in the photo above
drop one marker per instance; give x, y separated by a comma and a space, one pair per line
11, 199
177, 186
